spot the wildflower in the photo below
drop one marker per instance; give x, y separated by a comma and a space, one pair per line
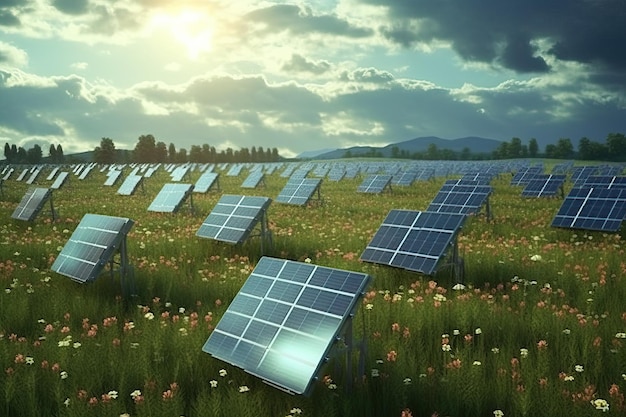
295, 411
66, 402
406, 413
620, 335
495, 350
456, 332
244, 388
600, 404
223, 372
523, 352
477, 363
458, 287
29, 360
307, 260
213, 383
112, 394
446, 347
535, 258
76, 345
63, 375
498, 413
149, 315
542, 345
375, 373
407, 381
136, 393
478, 330
369, 306
566, 331
579, 368
392, 355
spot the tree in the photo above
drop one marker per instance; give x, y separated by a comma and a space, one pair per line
502, 151
7, 153
550, 150
195, 154
181, 157
145, 149
105, 153
34, 154
171, 153
616, 144
52, 153
564, 148
160, 152
275, 156
466, 154
533, 148
432, 152
515, 148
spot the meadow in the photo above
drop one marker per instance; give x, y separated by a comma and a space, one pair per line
538, 330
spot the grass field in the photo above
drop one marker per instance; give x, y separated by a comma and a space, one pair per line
539, 329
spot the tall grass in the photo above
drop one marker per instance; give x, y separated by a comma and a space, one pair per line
539, 329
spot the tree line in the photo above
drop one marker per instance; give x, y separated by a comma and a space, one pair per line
34, 155
149, 150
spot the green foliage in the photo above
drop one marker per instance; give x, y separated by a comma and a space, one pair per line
539, 329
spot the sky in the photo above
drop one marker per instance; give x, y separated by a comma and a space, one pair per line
308, 75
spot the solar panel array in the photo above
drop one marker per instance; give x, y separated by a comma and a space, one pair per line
253, 179
404, 178
179, 173
459, 198
130, 184
375, 184
600, 209
206, 181
299, 191
544, 185
413, 240
605, 181
33, 176
523, 176
233, 218
91, 246
284, 321
52, 173
235, 170
31, 204
112, 177
171, 198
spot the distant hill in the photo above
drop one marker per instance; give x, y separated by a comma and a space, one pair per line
313, 154
476, 145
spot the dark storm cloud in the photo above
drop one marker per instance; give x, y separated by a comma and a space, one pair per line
72, 7
504, 32
300, 20
298, 63
7, 18
112, 21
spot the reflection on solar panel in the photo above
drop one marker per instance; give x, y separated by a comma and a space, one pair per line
179, 173
375, 184
32, 203
544, 186
7, 175
299, 191
336, 174
33, 176
253, 179
413, 240
171, 198
523, 176
233, 218
60, 181
235, 170
85, 172
602, 181
130, 184
284, 321
580, 174
112, 177
404, 178
206, 181
592, 209
22, 175
465, 199
91, 246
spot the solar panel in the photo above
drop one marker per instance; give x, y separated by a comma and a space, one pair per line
233, 218
284, 321
336, 174
22, 175
130, 184
52, 173
592, 209
253, 179
299, 191
459, 198
523, 176
112, 177
605, 181
31, 204
235, 170
60, 180
86, 171
33, 176
544, 186
375, 184
581, 173
413, 240
8, 173
171, 198
206, 181
91, 246
179, 173
404, 178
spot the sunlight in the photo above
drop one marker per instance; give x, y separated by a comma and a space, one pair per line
192, 29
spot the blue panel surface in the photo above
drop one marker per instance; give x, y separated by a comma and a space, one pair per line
600, 209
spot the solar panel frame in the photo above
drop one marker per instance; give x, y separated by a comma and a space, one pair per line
253, 179
233, 218
299, 191
31, 204
112, 177
601, 209
544, 185
171, 197
92, 245
460, 198
285, 320
130, 184
206, 181
52, 174
605, 181
413, 240
60, 180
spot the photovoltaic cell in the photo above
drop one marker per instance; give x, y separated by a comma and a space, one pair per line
235, 170
60, 180
374, 184
171, 198
404, 178
112, 177
458, 198
31, 204
605, 181
413, 240
130, 184
283, 322
179, 173
592, 209
523, 176
544, 185
91, 246
205, 182
233, 218
299, 191
253, 179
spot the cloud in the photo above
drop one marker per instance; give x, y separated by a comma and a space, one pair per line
72, 7
298, 63
505, 33
7, 18
12, 56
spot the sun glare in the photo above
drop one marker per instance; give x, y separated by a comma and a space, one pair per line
192, 29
